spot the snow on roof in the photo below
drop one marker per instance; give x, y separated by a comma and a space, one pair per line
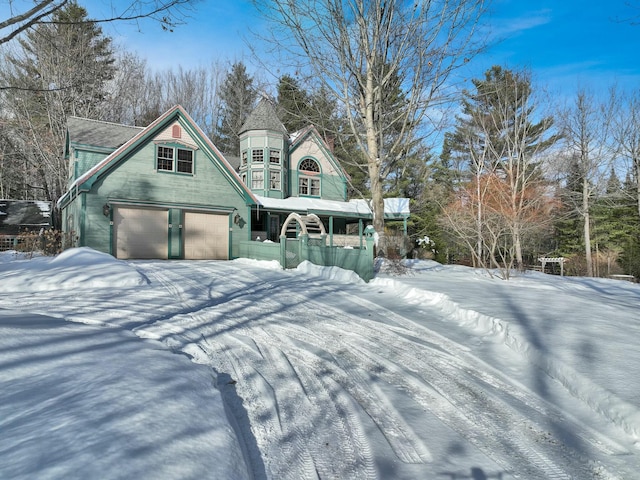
392, 206
20, 214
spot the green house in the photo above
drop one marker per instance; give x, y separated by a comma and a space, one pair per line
166, 192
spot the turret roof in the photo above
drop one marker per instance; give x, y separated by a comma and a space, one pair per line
263, 117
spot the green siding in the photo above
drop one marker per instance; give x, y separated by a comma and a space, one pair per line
332, 187
97, 229
136, 180
85, 161
264, 140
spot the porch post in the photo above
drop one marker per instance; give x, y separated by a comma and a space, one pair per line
331, 231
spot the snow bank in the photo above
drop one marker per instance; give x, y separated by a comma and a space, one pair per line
329, 273
601, 400
76, 268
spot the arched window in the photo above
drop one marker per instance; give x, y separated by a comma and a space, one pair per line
309, 179
309, 165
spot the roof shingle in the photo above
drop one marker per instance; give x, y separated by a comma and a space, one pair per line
100, 134
263, 117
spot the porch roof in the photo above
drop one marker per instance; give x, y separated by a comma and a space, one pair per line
357, 208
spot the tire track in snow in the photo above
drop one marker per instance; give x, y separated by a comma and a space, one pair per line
539, 411
510, 442
253, 367
445, 395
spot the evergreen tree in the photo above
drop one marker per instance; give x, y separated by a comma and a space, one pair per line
614, 187
237, 97
294, 106
61, 69
500, 144
568, 225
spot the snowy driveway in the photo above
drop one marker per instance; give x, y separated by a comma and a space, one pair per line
331, 380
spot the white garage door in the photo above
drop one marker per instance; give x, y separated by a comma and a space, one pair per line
206, 236
141, 232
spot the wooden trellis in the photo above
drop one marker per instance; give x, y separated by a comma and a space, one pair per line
545, 260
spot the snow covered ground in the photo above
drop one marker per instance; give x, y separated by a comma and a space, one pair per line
239, 370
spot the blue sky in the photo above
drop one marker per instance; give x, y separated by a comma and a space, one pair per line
569, 43
565, 43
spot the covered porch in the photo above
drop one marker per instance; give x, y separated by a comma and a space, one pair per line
324, 232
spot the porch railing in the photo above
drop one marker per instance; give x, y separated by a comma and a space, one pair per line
291, 252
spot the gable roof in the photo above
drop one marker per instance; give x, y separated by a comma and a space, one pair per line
263, 117
19, 215
85, 181
298, 138
85, 131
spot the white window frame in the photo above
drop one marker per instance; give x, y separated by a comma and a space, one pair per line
275, 180
274, 156
165, 158
257, 179
257, 155
168, 159
309, 186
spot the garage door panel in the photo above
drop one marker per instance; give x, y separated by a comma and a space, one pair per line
206, 236
141, 233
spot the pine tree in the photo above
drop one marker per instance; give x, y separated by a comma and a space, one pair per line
293, 104
500, 144
237, 97
61, 69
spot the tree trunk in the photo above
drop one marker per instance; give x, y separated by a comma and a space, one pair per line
374, 164
636, 167
479, 241
517, 246
587, 228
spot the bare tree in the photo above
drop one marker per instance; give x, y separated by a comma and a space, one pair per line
360, 49
587, 127
126, 101
60, 69
168, 13
196, 89
627, 135
503, 138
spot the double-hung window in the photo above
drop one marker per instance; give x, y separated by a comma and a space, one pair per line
309, 182
174, 159
274, 157
185, 161
165, 158
309, 186
274, 179
257, 179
